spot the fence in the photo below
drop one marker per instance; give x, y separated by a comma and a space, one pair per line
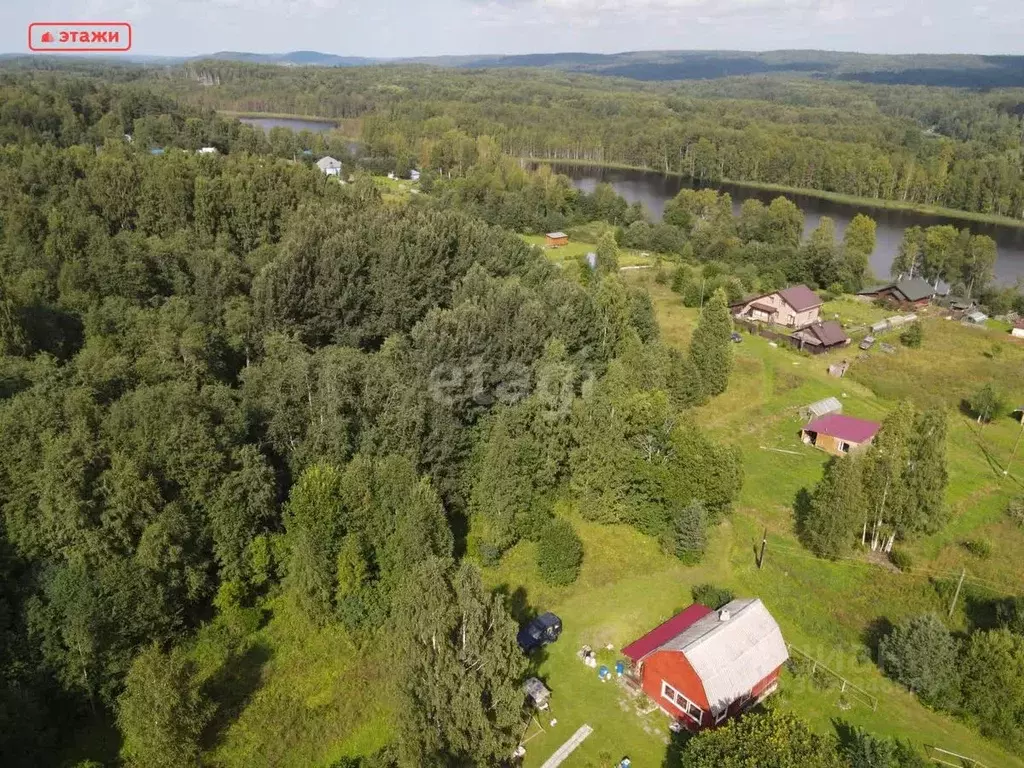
943, 756
845, 686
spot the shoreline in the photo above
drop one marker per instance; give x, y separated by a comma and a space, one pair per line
835, 197
279, 116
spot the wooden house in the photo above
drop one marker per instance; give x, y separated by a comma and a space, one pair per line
794, 307
702, 666
838, 434
556, 239
912, 293
821, 337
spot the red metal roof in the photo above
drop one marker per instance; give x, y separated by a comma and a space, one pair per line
660, 635
844, 427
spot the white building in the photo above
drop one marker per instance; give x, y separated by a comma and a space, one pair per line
414, 175
207, 150
329, 165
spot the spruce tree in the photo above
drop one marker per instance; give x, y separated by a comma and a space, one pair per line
836, 508
927, 475
710, 348
686, 535
607, 253
683, 380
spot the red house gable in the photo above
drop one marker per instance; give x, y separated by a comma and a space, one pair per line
660, 635
702, 666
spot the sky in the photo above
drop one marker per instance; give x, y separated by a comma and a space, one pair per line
400, 28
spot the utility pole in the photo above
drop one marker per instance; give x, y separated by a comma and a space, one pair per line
764, 544
956, 594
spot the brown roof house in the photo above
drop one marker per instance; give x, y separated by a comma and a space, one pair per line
821, 337
793, 307
914, 292
556, 239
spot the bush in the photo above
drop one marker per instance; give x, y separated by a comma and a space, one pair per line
1015, 509
901, 559
913, 336
921, 654
559, 553
711, 596
490, 555
980, 548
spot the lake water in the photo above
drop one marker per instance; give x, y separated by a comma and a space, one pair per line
266, 123
654, 190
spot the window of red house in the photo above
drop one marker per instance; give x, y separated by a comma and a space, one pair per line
688, 708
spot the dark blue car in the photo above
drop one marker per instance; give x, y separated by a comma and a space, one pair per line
539, 631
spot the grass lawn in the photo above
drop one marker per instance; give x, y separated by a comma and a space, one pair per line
293, 695
827, 609
577, 248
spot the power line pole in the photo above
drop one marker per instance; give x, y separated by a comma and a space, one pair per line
764, 544
952, 605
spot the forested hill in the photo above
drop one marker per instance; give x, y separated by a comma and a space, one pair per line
956, 70
909, 69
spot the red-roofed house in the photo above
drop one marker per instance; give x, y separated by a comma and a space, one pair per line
794, 307
838, 434
701, 666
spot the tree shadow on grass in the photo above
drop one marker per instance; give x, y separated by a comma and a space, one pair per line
874, 632
676, 746
232, 687
802, 509
517, 602
846, 733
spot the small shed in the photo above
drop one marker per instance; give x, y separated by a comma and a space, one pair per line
537, 693
975, 318
1018, 329
821, 408
207, 151
556, 239
838, 434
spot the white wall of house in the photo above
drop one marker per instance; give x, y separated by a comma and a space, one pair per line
1018, 332
784, 315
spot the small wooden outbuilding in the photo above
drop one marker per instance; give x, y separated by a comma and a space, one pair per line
838, 434
556, 239
821, 408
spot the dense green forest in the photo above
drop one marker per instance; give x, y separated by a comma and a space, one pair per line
916, 145
227, 378
234, 391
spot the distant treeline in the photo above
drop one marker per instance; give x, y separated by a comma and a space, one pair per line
916, 145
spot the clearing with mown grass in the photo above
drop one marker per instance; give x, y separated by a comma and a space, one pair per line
831, 610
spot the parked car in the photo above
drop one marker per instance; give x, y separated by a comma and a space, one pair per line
736, 338
539, 632
868, 343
